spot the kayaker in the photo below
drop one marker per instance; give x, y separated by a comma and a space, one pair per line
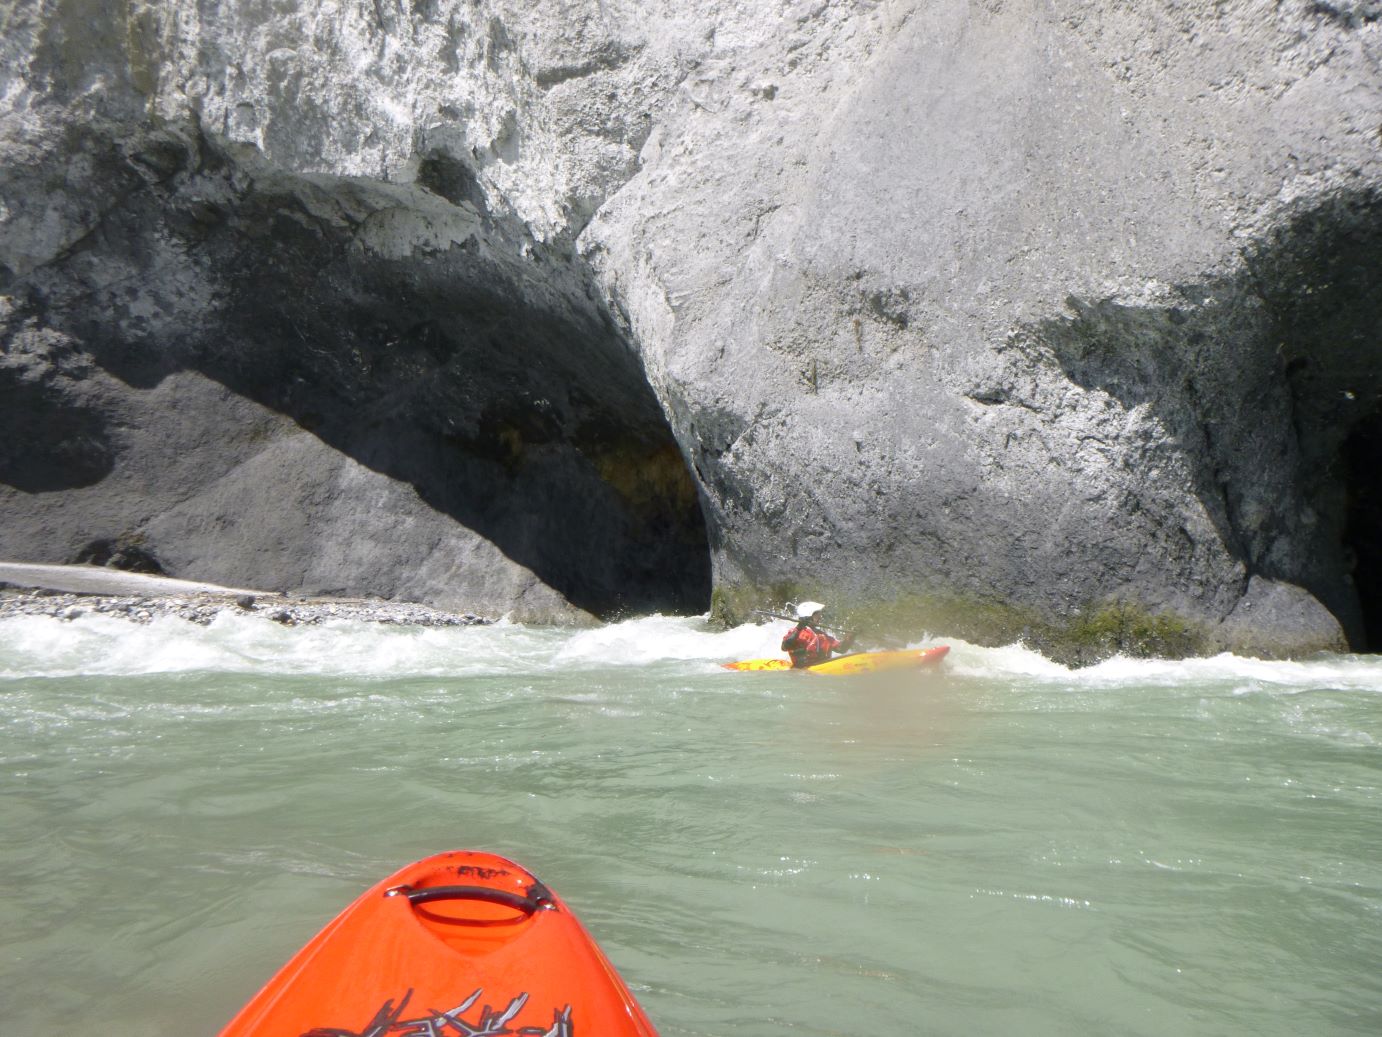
806, 643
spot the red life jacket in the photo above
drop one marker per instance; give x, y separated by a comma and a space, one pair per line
808, 647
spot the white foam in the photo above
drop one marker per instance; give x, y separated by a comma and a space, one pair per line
33, 646
653, 639
1342, 672
42, 646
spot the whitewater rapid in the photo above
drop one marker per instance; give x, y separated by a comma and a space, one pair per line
35, 646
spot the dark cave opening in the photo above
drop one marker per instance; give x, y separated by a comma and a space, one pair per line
1320, 274
532, 426
1362, 454
484, 371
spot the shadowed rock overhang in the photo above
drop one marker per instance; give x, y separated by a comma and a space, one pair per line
402, 325
1272, 380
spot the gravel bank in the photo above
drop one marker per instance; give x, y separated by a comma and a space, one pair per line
203, 608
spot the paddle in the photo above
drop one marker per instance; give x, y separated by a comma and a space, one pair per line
793, 619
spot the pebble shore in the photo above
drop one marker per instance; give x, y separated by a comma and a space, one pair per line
203, 608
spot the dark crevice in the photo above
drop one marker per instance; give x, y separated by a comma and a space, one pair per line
127, 553
50, 440
450, 178
1363, 528
1352, 14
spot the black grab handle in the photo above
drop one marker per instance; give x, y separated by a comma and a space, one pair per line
538, 897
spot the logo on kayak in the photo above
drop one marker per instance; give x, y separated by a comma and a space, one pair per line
389, 1021
481, 873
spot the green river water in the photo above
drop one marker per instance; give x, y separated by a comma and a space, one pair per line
1006, 847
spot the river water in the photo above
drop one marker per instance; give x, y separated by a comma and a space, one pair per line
1006, 847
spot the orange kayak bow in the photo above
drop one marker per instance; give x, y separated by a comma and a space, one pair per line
457, 945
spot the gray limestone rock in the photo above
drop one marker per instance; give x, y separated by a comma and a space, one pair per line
1271, 614
1026, 307
988, 315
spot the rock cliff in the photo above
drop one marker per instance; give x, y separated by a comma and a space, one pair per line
1043, 318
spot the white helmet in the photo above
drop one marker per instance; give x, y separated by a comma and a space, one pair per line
807, 609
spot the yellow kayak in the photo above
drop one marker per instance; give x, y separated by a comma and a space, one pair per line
859, 662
